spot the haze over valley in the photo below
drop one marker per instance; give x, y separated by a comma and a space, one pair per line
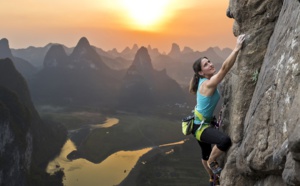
75, 89
87, 75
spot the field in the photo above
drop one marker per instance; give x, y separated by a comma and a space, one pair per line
132, 132
170, 165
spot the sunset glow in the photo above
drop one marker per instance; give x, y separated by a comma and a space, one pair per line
146, 14
117, 24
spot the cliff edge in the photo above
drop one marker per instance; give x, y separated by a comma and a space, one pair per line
262, 95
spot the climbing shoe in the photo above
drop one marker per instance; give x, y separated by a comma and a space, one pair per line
214, 181
214, 166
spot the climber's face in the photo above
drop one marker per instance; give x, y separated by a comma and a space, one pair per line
207, 68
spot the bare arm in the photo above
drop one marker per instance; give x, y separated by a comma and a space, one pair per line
213, 82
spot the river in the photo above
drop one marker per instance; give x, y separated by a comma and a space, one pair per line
109, 172
113, 170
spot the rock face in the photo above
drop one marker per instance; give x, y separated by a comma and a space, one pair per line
26, 142
16, 138
262, 95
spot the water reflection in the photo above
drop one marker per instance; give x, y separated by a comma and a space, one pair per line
171, 144
109, 172
108, 123
113, 170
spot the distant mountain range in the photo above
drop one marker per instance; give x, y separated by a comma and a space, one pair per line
76, 79
177, 62
87, 75
138, 79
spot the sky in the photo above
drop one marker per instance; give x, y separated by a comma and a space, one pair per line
109, 24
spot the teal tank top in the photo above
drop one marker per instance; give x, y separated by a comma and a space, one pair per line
206, 104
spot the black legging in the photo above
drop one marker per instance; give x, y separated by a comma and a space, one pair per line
212, 136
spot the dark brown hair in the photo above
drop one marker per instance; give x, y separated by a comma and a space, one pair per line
195, 79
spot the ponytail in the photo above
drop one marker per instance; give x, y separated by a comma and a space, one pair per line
194, 84
195, 79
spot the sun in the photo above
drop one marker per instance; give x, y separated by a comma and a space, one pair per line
146, 14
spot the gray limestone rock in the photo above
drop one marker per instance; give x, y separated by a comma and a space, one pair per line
261, 95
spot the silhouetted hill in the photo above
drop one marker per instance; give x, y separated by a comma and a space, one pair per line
84, 56
36, 55
175, 51
23, 66
77, 79
187, 50
224, 53
27, 143
56, 56
82, 78
117, 63
129, 53
13, 80
178, 64
4, 48
144, 87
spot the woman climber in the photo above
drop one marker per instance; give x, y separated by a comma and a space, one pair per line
204, 84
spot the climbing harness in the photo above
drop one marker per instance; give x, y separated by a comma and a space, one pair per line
205, 123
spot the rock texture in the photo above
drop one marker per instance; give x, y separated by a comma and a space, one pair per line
26, 142
262, 95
